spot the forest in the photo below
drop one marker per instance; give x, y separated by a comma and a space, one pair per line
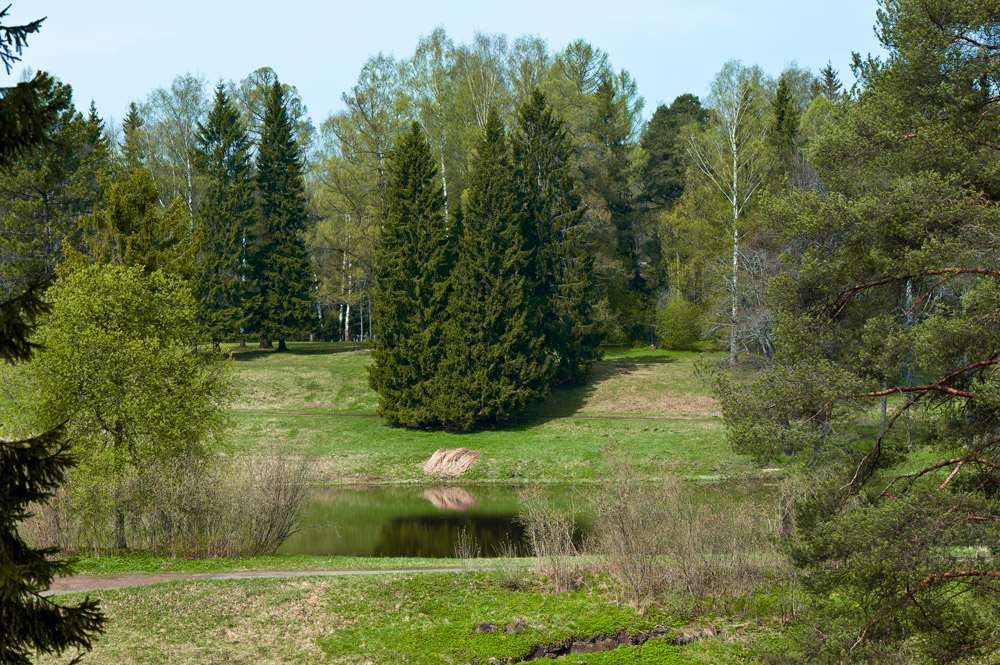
490, 218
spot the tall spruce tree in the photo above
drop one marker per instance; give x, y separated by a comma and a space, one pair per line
227, 217
44, 192
133, 152
413, 262
495, 361
560, 262
282, 273
830, 86
784, 121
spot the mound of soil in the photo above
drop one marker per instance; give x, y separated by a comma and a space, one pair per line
450, 461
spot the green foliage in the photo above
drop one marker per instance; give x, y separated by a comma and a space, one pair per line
46, 189
120, 368
133, 148
134, 230
30, 470
282, 272
227, 218
25, 113
784, 120
887, 305
829, 86
663, 173
815, 118
560, 262
496, 362
414, 257
678, 325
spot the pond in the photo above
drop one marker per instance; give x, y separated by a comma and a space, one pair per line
426, 521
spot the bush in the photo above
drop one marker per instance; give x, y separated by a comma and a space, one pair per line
183, 508
678, 325
669, 535
549, 532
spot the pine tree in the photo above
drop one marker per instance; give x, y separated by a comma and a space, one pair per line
496, 361
227, 216
413, 263
282, 272
560, 262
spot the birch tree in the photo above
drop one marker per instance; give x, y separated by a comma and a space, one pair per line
731, 154
172, 116
353, 176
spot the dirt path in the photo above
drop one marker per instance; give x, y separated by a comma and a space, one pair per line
251, 412
83, 583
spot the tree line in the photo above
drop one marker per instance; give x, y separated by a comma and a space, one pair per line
658, 257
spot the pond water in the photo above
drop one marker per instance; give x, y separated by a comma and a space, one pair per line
426, 521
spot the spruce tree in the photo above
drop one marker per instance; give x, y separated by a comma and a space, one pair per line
560, 262
412, 269
830, 86
30, 470
133, 156
282, 272
785, 119
495, 361
227, 216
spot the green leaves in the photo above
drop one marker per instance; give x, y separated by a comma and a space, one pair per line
121, 368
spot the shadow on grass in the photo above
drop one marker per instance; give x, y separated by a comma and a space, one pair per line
568, 400
248, 353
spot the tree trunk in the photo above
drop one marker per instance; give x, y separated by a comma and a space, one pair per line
265, 343
734, 294
120, 543
282, 346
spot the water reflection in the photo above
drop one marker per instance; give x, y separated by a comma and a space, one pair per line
426, 521
415, 521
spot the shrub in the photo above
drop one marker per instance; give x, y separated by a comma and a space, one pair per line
678, 324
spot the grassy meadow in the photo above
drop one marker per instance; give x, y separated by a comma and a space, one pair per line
315, 401
423, 619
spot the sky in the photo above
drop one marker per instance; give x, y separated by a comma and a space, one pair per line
117, 51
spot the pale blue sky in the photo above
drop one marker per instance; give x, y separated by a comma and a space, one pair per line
116, 51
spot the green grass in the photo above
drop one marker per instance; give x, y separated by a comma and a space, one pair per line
295, 399
418, 619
